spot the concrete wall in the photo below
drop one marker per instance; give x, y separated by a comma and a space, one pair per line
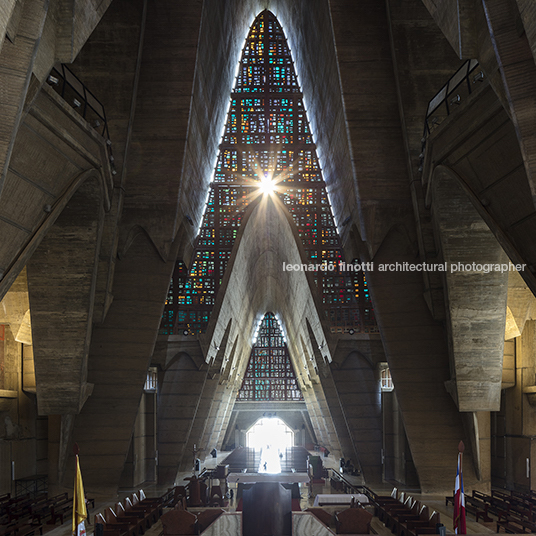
367, 70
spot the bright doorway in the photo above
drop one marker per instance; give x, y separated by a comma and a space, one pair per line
272, 437
270, 432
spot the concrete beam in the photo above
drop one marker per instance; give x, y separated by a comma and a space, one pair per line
456, 19
518, 71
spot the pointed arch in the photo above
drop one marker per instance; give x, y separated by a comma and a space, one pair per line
267, 142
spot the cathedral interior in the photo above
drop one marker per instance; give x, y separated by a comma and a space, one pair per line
221, 210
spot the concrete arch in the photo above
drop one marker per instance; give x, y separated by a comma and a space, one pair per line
172, 363
259, 283
130, 235
353, 355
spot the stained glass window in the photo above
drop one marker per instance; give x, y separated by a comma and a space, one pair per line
266, 134
269, 374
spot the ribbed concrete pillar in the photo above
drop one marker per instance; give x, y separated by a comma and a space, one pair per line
62, 275
416, 349
212, 432
206, 397
120, 353
476, 295
222, 420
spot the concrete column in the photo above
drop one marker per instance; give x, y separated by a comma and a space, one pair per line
120, 354
223, 418
211, 433
476, 295
416, 350
177, 406
62, 276
206, 396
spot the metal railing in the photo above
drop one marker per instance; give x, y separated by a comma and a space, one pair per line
452, 94
73, 91
346, 485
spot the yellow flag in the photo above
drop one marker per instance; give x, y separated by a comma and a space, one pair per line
79, 502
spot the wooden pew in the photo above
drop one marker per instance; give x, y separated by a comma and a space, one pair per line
515, 505
477, 507
475, 504
59, 508
156, 509
398, 518
146, 517
20, 508
152, 512
382, 499
389, 512
149, 500
41, 508
207, 517
137, 523
353, 521
115, 529
515, 525
423, 525
21, 529
179, 522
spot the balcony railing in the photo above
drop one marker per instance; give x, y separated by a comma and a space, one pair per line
452, 94
73, 91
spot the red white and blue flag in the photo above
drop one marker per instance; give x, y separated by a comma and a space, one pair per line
459, 498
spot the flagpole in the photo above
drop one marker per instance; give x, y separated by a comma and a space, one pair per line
459, 520
79, 498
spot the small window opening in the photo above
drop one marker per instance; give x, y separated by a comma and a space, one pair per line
386, 381
151, 381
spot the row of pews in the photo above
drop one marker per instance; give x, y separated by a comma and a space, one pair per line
181, 521
353, 520
515, 510
133, 516
404, 515
26, 514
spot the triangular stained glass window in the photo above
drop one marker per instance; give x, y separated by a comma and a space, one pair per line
269, 375
266, 135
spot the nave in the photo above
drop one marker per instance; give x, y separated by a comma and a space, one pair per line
246, 459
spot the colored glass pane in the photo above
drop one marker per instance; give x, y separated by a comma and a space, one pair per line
267, 133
